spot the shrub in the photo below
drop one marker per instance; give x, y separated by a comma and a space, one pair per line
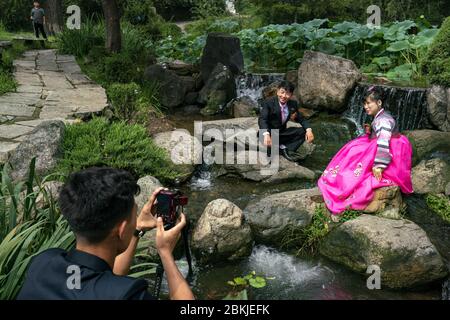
80, 42
124, 100
120, 68
100, 143
7, 83
436, 63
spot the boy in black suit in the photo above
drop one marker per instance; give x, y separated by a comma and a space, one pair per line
275, 114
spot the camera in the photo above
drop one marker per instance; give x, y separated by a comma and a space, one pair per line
169, 206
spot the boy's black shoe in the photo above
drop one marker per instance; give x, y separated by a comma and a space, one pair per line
286, 155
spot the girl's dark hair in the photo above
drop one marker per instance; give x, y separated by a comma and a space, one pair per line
374, 93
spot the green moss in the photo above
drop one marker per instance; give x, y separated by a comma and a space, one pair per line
436, 64
440, 205
100, 143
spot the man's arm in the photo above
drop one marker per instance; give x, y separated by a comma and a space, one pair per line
145, 222
264, 117
165, 243
123, 261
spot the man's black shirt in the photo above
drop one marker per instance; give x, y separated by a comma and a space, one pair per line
48, 274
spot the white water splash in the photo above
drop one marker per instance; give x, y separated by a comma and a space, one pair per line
289, 271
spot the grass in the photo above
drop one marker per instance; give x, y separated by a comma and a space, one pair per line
7, 80
439, 204
307, 240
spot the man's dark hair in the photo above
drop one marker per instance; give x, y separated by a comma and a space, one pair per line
95, 199
287, 85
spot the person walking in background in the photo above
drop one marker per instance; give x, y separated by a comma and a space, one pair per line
38, 18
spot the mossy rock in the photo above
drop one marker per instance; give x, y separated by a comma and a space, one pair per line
400, 248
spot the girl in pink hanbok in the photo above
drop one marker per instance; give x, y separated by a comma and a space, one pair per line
379, 158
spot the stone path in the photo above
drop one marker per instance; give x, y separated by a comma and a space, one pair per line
50, 86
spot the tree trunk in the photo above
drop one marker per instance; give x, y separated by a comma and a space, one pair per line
53, 16
113, 33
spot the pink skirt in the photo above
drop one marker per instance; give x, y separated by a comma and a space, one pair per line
348, 181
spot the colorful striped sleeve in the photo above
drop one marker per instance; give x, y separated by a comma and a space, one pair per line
383, 131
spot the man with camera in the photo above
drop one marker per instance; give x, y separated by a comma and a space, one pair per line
99, 205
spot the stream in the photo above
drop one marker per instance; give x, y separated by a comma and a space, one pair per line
312, 277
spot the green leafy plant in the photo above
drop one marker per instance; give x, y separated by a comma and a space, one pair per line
101, 143
240, 285
80, 42
436, 63
394, 50
26, 228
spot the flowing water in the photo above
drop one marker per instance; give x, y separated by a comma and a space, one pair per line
407, 105
295, 278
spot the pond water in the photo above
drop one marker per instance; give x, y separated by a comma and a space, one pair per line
295, 278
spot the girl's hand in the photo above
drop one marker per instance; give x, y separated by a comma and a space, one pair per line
367, 128
378, 173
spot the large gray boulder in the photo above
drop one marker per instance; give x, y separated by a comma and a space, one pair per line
325, 82
439, 107
426, 142
148, 185
221, 233
244, 107
173, 88
431, 176
400, 248
44, 143
184, 150
245, 167
272, 217
224, 49
219, 88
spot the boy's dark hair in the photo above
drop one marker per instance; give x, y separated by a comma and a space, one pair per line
95, 199
375, 93
286, 85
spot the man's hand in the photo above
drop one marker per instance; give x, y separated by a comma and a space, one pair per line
166, 240
267, 140
146, 219
378, 173
309, 135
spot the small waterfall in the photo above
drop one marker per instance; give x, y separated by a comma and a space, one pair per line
252, 84
407, 105
230, 7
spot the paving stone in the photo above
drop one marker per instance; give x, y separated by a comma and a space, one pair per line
5, 149
69, 67
13, 131
16, 110
55, 80
35, 123
29, 89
